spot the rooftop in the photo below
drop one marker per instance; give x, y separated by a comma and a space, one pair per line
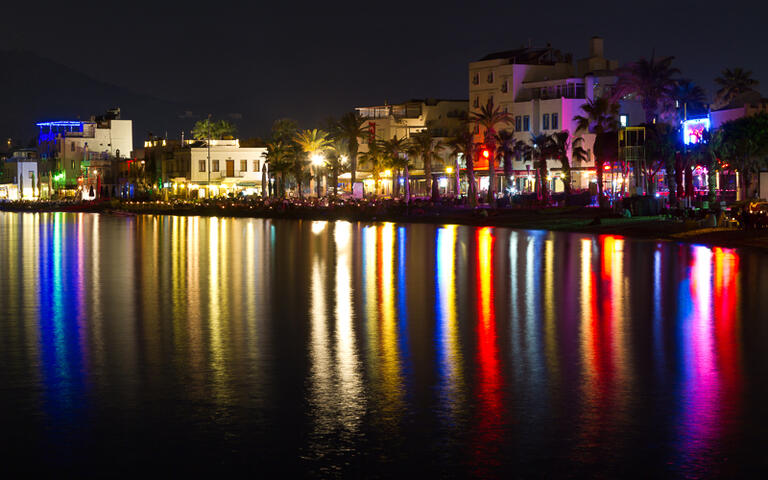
530, 56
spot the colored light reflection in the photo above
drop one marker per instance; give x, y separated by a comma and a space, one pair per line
449, 356
708, 335
489, 393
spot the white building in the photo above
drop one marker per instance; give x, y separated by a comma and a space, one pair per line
230, 168
78, 146
543, 91
443, 118
20, 176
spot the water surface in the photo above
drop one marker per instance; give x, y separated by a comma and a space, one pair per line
131, 344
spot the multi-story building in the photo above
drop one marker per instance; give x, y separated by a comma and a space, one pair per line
76, 149
19, 177
543, 91
442, 117
185, 166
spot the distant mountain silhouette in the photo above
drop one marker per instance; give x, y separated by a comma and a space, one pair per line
34, 89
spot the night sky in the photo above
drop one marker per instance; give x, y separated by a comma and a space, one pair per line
263, 61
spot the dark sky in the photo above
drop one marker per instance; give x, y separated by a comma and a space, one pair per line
285, 59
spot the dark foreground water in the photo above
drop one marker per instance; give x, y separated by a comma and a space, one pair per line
205, 345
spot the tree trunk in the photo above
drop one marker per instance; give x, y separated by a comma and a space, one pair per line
492, 178
508, 169
335, 182
435, 191
471, 186
353, 166
428, 173
407, 186
458, 178
543, 179
396, 184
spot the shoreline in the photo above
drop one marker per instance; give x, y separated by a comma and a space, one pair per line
555, 219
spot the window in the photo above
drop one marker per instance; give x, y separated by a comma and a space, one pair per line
623, 120
526, 123
545, 121
475, 79
72, 167
202, 165
476, 103
490, 99
505, 87
490, 77
518, 123
72, 147
555, 125
214, 165
243, 165
256, 166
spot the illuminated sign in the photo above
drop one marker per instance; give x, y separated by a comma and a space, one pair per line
693, 130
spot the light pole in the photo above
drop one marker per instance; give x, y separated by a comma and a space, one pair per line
209, 154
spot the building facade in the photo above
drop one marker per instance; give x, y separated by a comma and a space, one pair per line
444, 118
542, 89
19, 179
75, 150
190, 165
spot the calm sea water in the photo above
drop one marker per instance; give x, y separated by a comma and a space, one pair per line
139, 344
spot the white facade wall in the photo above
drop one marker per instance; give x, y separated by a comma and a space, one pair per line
26, 179
253, 157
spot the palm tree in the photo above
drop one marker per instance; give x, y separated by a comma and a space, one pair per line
734, 83
745, 140
350, 128
277, 156
487, 118
652, 81
208, 129
464, 141
298, 164
689, 97
284, 129
427, 147
506, 150
559, 145
312, 142
540, 149
661, 146
375, 158
396, 153
601, 119
456, 147
336, 162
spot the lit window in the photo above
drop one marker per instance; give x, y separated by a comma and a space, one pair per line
555, 120
623, 120
243, 165
202, 165
214, 165
255, 165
